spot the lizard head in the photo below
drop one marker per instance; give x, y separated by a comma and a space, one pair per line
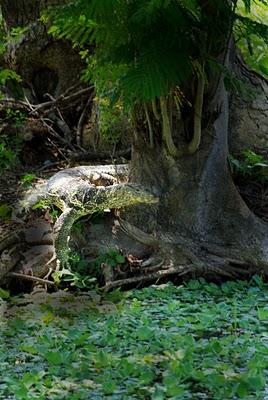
123, 195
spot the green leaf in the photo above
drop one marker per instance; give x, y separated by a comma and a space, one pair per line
5, 211
173, 388
109, 387
146, 377
242, 390
4, 294
53, 357
120, 259
28, 349
145, 333
256, 382
263, 314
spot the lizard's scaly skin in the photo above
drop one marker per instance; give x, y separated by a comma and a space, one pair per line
72, 191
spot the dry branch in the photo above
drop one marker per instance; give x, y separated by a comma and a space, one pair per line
48, 106
10, 239
144, 278
31, 278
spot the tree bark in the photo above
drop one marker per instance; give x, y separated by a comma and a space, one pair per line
46, 65
248, 113
200, 207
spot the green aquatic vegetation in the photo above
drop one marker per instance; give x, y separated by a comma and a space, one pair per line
195, 341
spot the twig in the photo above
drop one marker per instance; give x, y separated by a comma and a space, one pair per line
31, 278
144, 278
60, 121
57, 148
55, 134
47, 106
153, 268
81, 121
70, 89
16, 104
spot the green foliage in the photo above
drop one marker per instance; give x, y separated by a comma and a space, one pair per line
84, 274
112, 258
44, 204
4, 294
112, 120
250, 166
7, 75
253, 37
7, 156
28, 179
154, 44
41, 205
10, 148
15, 35
196, 341
5, 213
142, 48
14, 117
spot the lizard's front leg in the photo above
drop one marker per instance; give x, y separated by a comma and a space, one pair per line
62, 230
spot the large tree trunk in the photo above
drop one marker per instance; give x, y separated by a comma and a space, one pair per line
200, 207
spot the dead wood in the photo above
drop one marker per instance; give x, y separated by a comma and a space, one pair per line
8, 260
10, 239
31, 278
143, 278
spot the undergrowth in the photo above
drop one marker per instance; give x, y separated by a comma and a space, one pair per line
197, 341
84, 274
10, 148
249, 166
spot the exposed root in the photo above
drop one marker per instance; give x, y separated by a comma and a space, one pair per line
143, 278
166, 129
164, 269
148, 262
155, 267
155, 111
136, 233
150, 127
196, 139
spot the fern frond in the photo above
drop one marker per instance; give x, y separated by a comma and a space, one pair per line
250, 27
247, 5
